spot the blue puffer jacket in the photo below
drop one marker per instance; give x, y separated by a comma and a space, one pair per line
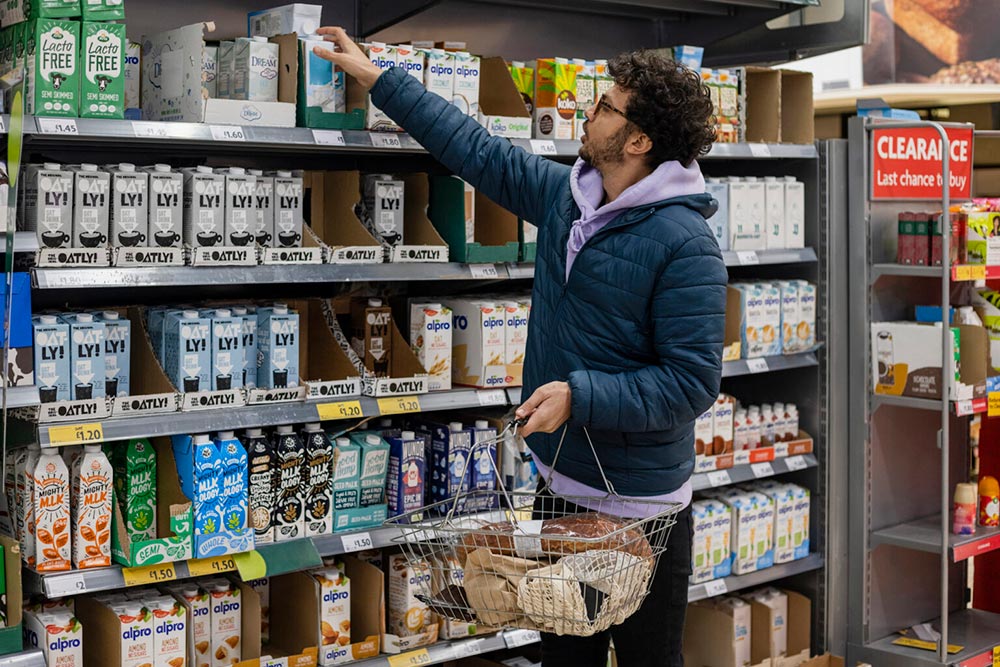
636, 331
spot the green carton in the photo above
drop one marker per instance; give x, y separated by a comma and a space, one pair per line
495, 228
103, 10
53, 73
102, 65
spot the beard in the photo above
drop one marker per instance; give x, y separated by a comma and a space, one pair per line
608, 153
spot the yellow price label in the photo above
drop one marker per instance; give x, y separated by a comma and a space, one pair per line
76, 434
341, 410
962, 272
200, 567
149, 574
925, 645
397, 405
996, 656
993, 404
410, 659
977, 272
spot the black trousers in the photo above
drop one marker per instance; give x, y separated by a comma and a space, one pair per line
652, 636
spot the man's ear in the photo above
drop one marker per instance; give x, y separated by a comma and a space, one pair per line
638, 144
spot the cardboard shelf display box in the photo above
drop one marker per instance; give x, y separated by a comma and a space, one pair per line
802, 444
779, 106
172, 65
174, 519
312, 251
527, 236
292, 88
295, 617
732, 343
283, 648
332, 196
422, 241
501, 107
797, 623
406, 375
326, 370
455, 211
10, 579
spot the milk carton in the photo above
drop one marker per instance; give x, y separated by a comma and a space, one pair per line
383, 208
806, 328
719, 221
451, 449
129, 205
407, 615
24, 473
752, 320
210, 70
52, 512
262, 484
783, 499
789, 315
117, 353
407, 469
318, 507
586, 91
335, 610
440, 75
800, 521
201, 473
774, 213
102, 86
722, 425
262, 587
226, 623
555, 98
197, 604
102, 10
383, 57
346, 474
239, 207
703, 434
52, 358
91, 509
256, 69
430, 339
515, 331
134, 467
299, 18
204, 208
135, 629
753, 526
133, 79
235, 525
483, 475
48, 204
187, 350
374, 468
58, 635
225, 64
249, 345
86, 356
166, 212
323, 83
53, 73
170, 620
371, 336
262, 228
771, 334
480, 338
710, 546
91, 206
746, 206
777, 602
290, 459
288, 206
795, 212
227, 351
412, 62
278, 347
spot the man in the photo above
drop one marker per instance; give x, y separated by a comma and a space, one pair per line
628, 307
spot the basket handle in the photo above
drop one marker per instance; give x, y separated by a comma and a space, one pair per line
600, 468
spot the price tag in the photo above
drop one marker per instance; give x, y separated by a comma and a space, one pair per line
489, 397
398, 405
480, 271
147, 129
961, 273
993, 404
149, 574
76, 434
996, 656
385, 140
329, 137
762, 470
516, 638
58, 126
410, 659
200, 567
963, 408
796, 463
760, 150
228, 133
468, 648
747, 258
356, 542
543, 147
757, 365
341, 410
68, 584
716, 587
719, 478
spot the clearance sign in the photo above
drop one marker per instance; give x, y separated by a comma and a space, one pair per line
906, 163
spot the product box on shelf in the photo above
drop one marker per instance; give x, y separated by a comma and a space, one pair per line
374, 467
495, 229
718, 632
333, 197
328, 373
431, 340
710, 557
133, 80
91, 206
299, 17
258, 649
906, 360
116, 633
52, 358
501, 107
480, 345
322, 88
102, 89
384, 57
53, 68
767, 628
421, 241
58, 634
411, 623
555, 98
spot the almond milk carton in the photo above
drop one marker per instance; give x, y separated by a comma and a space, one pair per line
430, 338
335, 611
382, 56
515, 331
58, 634
480, 339
226, 623
91, 509
198, 605
52, 513
722, 425
408, 616
170, 619
136, 633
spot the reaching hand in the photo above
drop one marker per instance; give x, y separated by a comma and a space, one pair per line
549, 408
349, 56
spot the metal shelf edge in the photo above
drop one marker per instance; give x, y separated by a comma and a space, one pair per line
28, 658
745, 472
813, 561
777, 363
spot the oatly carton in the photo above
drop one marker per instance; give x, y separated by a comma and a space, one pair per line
86, 356
166, 215
117, 353
129, 205
53, 72
382, 56
383, 205
52, 358
102, 85
91, 206
204, 207
239, 207
187, 358
278, 345
48, 204
288, 205
228, 358
262, 227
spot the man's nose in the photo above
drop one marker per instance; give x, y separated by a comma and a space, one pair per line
591, 112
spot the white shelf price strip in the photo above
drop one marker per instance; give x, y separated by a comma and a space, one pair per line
757, 365
228, 133
356, 542
329, 138
149, 129
66, 585
58, 126
715, 587
796, 463
762, 470
747, 258
481, 271
719, 478
516, 638
385, 140
760, 150
488, 397
468, 648
543, 147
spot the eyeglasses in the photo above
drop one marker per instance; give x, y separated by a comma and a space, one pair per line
604, 104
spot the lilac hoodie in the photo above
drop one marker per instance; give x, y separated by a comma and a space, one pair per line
669, 180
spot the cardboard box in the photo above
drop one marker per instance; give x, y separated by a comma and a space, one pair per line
332, 197
797, 118
502, 109
906, 360
422, 243
798, 632
717, 633
710, 557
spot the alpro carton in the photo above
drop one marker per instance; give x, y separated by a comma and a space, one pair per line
262, 587
204, 207
86, 356
784, 507
262, 227
129, 205
407, 471
408, 579
57, 634
774, 213
91, 206
411, 61
515, 331
197, 603
226, 623
752, 531
479, 341
228, 357
117, 353
806, 328
102, 86
440, 73
382, 56
133, 80
374, 467
255, 67
187, 355
318, 507
346, 474
703, 433
48, 204
466, 92
278, 347
752, 320
722, 425
52, 358
288, 209
170, 633
789, 315
772, 331
134, 465
710, 546
166, 214
430, 339
53, 71
334, 611
555, 98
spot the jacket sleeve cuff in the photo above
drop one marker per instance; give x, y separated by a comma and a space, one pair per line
581, 397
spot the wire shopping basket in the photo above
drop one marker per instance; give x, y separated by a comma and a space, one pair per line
577, 566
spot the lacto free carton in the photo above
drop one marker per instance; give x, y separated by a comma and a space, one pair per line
53, 72
58, 635
555, 98
91, 206
430, 338
102, 89
102, 10
52, 358
323, 83
318, 507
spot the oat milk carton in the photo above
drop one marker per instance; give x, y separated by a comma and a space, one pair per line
289, 458
515, 331
335, 610
52, 358
278, 347
91, 206
256, 69
53, 73
288, 209
440, 74
262, 228
48, 204
225, 65
117, 354
239, 203
187, 350
407, 615
382, 56
710, 548
249, 345
204, 207
346, 474
228, 355
133, 80
102, 86
774, 213
59, 636
318, 507
87, 356
129, 205
52, 512
210, 70
136, 633
466, 93
91, 509
197, 604
430, 338
383, 200
166, 212
795, 220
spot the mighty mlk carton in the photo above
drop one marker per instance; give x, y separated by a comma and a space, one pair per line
102, 88
53, 74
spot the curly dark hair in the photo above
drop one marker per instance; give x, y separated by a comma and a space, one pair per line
669, 103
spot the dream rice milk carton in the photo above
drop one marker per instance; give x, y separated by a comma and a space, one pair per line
102, 86
53, 72
382, 56
210, 71
255, 69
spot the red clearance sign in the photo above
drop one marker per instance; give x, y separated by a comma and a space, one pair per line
906, 163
